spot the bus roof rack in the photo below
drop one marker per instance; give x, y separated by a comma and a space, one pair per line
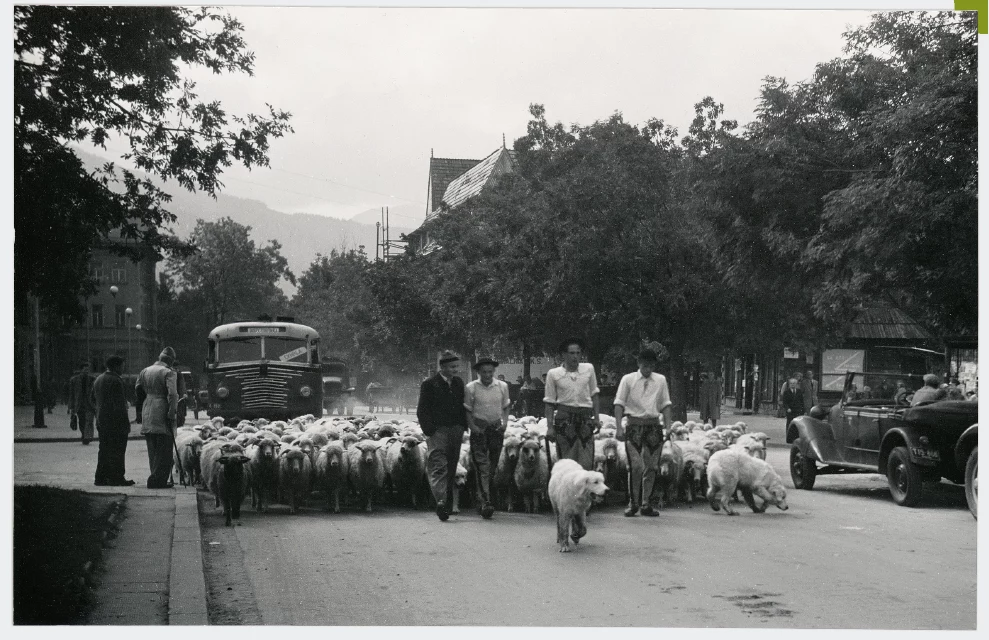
284, 318
264, 317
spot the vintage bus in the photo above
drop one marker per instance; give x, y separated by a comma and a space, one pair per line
263, 369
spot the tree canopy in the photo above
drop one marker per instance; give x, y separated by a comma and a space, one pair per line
90, 74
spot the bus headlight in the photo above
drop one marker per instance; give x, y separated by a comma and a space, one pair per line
305, 391
222, 392
204, 396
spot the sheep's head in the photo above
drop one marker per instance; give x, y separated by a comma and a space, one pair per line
334, 454
230, 448
319, 440
461, 478
511, 447
529, 452
611, 449
369, 451
409, 445
237, 459
386, 431
268, 448
225, 431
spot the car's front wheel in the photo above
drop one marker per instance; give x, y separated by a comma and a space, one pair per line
905, 482
972, 482
803, 470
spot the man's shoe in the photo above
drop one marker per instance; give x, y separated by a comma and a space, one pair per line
631, 511
649, 511
103, 483
85, 441
441, 511
487, 511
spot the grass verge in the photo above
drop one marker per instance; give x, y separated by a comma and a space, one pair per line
57, 542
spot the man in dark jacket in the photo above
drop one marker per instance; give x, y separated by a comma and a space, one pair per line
81, 401
113, 424
793, 401
443, 420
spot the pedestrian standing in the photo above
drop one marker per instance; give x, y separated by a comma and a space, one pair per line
642, 397
158, 383
113, 424
443, 420
710, 399
572, 405
486, 401
81, 401
793, 401
808, 386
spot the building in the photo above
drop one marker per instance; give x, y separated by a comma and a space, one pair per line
453, 181
107, 327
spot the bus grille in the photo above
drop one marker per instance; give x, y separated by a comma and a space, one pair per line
270, 392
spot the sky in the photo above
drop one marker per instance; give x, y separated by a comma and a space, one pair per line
374, 91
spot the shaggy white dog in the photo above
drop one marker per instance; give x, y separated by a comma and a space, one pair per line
571, 490
733, 469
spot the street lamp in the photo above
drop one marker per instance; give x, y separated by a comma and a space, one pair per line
113, 292
127, 313
140, 342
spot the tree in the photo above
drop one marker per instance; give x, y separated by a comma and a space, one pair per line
234, 279
89, 74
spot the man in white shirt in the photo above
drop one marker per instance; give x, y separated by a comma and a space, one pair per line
642, 397
486, 401
572, 405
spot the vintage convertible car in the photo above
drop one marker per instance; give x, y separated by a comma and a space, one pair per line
878, 432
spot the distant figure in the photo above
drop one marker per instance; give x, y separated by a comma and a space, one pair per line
930, 392
710, 399
81, 401
793, 401
809, 388
901, 392
113, 424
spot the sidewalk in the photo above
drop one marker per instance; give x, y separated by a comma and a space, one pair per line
152, 574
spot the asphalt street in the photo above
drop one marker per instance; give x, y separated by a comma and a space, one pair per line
842, 556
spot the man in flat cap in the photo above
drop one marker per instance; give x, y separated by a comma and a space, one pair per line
443, 420
158, 383
486, 401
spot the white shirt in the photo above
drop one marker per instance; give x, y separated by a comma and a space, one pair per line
486, 402
572, 388
643, 397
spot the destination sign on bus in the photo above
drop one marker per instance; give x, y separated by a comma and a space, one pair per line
294, 353
263, 330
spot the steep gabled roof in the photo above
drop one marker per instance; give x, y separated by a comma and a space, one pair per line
443, 171
881, 321
473, 180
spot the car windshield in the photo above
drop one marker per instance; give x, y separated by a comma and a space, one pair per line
882, 386
245, 349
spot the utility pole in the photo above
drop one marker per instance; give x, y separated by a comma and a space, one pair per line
39, 407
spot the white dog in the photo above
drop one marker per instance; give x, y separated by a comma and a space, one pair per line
571, 490
734, 468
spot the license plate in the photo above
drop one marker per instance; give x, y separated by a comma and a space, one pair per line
930, 454
214, 405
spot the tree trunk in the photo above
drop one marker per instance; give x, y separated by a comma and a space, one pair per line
678, 392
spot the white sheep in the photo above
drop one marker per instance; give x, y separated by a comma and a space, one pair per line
331, 473
531, 474
189, 448
405, 466
366, 471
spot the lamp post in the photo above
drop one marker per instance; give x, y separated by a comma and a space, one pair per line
127, 313
113, 292
140, 342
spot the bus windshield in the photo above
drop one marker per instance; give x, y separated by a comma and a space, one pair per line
246, 349
285, 349
253, 348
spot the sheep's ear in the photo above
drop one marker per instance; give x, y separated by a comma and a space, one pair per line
243, 458
223, 459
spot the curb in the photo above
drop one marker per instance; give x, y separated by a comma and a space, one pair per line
186, 578
76, 439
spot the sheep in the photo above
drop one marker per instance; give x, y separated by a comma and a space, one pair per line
459, 485
759, 438
670, 472
531, 474
504, 477
331, 473
405, 466
223, 473
225, 431
611, 461
349, 439
189, 447
694, 479
294, 476
288, 438
263, 469
365, 470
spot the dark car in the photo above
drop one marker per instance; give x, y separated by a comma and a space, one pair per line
879, 432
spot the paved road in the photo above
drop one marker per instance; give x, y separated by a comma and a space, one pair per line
843, 556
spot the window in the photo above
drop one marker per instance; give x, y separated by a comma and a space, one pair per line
834, 364
98, 273
119, 317
97, 314
118, 275
240, 349
285, 349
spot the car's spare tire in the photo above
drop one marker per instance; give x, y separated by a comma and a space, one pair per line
803, 470
972, 482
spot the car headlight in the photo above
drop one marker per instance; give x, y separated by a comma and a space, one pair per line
222, 392
924, 440
204, 395
305, 392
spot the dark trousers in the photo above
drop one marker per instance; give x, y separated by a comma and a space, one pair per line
87, 421
575, 436
643, 445
159, 459
485, 449
442, 456
110, 459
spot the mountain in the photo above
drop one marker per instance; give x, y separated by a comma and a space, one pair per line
302, 235
403, 215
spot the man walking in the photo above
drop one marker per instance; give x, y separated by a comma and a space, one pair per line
159, 385
486, 401
793, 401
113, 424
443, 419
81, 401
642, 396
572, 405
808, 386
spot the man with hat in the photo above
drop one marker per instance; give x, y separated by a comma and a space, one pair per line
486, 401
159, 383
443, 420
113, 424
641, 398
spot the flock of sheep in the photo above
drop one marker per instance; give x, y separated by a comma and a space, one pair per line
363, 460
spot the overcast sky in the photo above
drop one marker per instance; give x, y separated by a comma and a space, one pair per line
372, 91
